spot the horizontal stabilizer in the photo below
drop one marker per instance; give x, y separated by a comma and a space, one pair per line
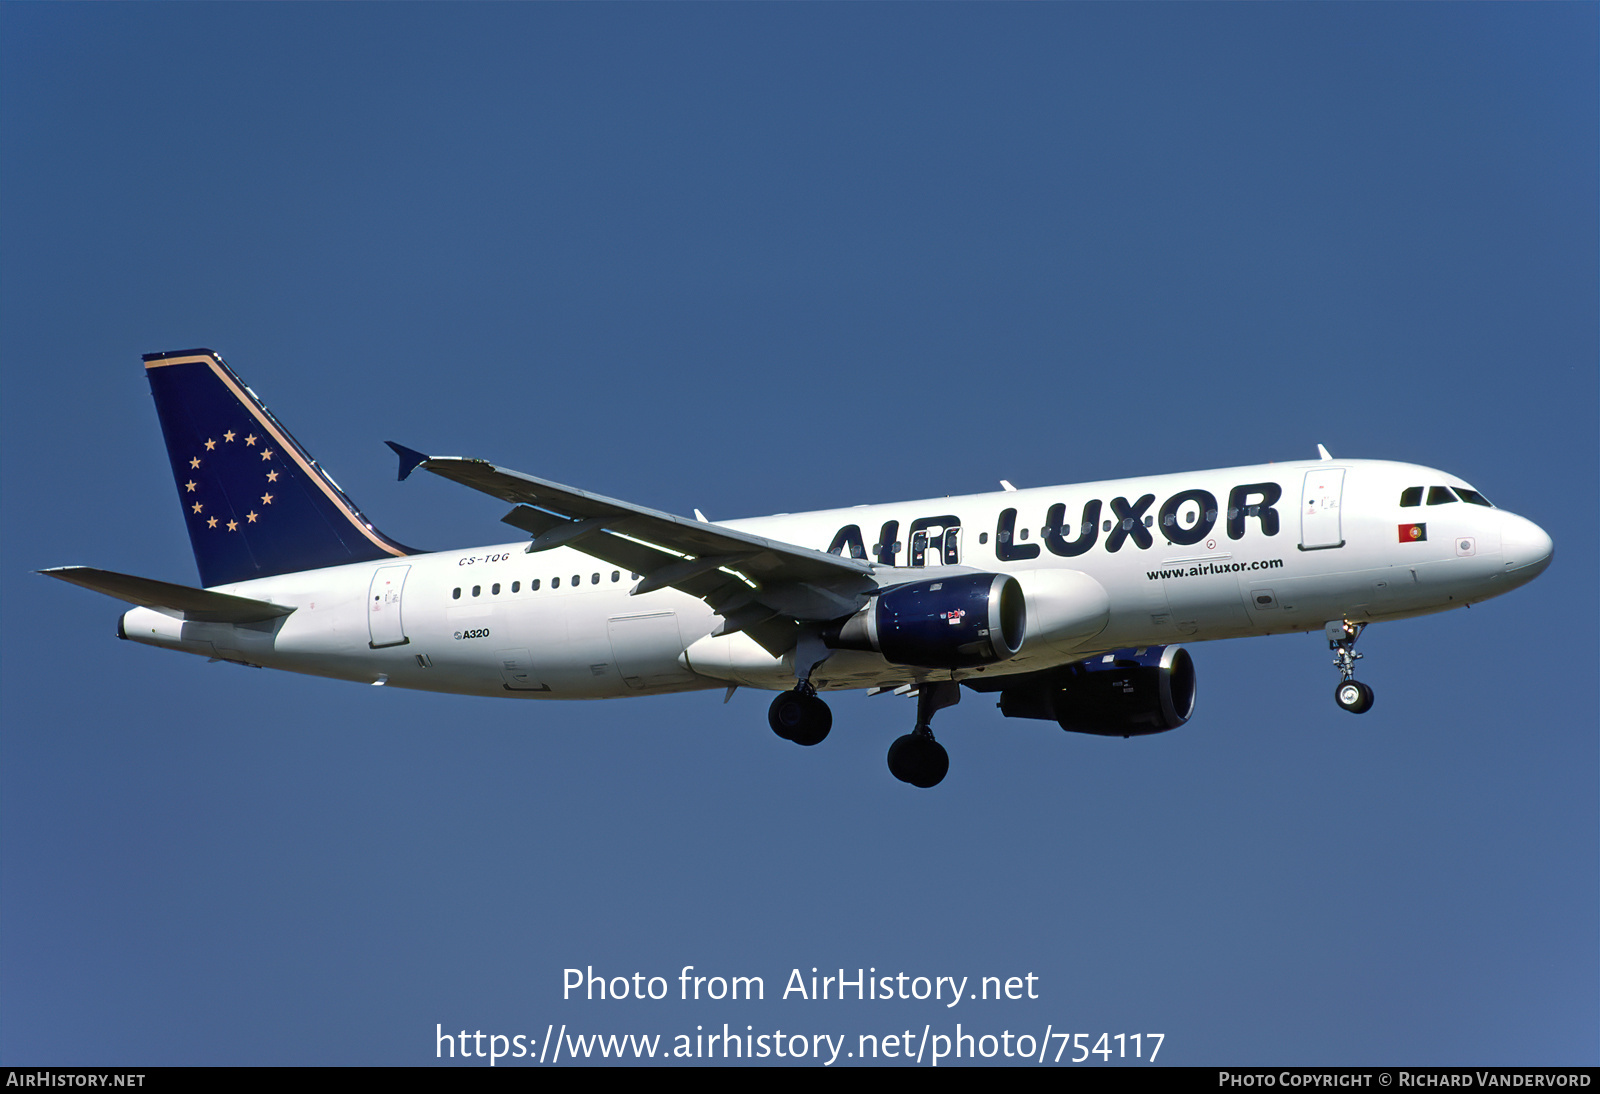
180, 601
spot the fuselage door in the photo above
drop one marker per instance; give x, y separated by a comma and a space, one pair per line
1319, 509
384, 627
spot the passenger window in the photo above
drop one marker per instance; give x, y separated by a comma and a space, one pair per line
849, 536
616, 575
1410, 496
533, 586
476, 589
595, 580
983, 537
1440, 495
495, 589
555, 583
516, 586
577, 579
1472, 497
456, 595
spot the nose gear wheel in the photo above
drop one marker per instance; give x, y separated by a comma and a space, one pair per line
1353, 696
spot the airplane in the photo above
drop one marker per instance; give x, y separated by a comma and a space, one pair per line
1066, 602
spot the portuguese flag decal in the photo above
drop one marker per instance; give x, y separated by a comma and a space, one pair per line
1413, 533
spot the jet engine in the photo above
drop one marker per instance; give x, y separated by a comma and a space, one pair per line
1124, 693
952, 623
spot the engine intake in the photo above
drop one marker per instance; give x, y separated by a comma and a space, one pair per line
1125, 693
952, 623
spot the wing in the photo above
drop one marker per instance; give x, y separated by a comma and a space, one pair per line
764, 587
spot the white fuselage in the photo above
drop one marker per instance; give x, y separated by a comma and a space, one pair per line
560, 624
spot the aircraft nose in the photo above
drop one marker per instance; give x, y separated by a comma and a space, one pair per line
1525, 547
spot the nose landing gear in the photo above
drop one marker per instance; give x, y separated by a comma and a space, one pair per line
917, 758
1351, 694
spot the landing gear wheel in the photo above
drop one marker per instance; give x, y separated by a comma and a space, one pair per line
1353, 696
918, 759
800, 717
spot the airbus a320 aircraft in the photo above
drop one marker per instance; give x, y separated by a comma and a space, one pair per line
1066, 601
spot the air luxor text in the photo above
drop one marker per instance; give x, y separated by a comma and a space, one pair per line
865, 984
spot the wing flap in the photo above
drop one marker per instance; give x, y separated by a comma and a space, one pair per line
180, 601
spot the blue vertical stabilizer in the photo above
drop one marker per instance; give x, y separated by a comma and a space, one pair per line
255, 503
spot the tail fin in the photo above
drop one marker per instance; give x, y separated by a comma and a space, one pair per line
256, 504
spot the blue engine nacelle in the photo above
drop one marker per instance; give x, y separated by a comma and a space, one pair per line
1124, 693
952, 623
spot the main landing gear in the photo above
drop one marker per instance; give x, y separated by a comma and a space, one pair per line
1351, 694
917, 758
800, 716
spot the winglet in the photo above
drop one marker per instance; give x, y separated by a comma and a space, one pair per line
410, 459
1323, 453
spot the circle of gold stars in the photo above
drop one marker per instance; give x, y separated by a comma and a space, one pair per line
197, 508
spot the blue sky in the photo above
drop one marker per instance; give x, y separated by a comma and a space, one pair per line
769, 258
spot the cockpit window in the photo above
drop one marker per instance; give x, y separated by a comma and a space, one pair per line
1473, 497
1411, 495
1440, 495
